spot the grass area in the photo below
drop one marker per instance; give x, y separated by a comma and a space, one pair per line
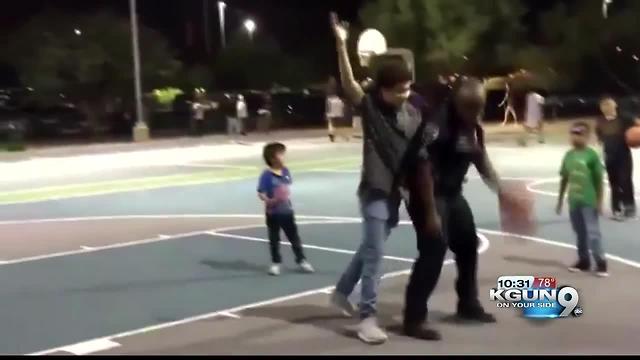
157, 182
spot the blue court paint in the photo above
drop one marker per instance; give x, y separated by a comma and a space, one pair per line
59, 301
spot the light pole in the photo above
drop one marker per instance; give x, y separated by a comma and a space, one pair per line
605, 7
250, 25
205, 26
140, 130
221, 7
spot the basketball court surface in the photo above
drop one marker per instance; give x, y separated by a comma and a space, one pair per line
172, 259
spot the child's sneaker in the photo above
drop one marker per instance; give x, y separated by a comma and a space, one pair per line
601, 269
580, 266
274, 270
370, 332
306, 267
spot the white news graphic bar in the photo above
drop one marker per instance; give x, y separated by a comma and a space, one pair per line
515, 281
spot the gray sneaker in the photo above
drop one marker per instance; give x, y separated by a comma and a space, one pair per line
343, 304
370, 332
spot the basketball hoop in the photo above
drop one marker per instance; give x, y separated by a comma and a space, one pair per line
365, 58
370, 43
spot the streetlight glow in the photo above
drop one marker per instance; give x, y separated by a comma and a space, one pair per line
250, 25
221, 6
77, 32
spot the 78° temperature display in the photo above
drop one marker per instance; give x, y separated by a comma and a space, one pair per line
538, 296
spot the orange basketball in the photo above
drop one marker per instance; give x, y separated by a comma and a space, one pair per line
633, 137
517, 212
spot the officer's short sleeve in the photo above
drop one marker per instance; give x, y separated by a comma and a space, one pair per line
429, 134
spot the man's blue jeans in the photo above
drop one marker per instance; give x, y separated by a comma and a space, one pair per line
366, 264
585, 223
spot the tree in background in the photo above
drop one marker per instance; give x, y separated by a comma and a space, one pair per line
590, 52
258, 64
466, 36
575, 48
87, 60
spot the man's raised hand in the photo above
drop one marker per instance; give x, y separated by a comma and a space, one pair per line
340, 28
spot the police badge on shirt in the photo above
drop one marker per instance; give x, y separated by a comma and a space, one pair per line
429, 136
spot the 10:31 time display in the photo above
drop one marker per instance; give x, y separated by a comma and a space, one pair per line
515, 282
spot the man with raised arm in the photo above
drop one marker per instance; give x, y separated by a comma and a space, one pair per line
389, 123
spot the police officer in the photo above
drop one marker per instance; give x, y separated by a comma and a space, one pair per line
453, 140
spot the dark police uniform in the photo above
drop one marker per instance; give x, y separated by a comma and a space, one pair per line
619, 162
451, 152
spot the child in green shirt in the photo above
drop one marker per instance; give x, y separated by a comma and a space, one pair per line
582, 174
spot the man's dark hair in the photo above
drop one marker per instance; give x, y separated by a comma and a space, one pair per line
463, 81
270, 151
392, 73
580, 127
606, 97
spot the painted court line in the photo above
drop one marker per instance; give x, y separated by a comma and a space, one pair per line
323, 248
230, 315
89, 347
335, 171
87, 250
559, 244
320, 221
218, 166
337, 219
95, 345
532, 187
318, 291
167, 183
163, 217
192, 319
310, 292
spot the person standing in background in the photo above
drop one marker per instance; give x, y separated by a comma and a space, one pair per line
198, 110
534, 117
242, 111
334, 111
264, 113
509, 109
236, 113
611, 128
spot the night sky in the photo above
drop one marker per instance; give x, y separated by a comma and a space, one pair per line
299, 26
278, 18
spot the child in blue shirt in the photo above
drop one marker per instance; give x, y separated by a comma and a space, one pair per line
273, 190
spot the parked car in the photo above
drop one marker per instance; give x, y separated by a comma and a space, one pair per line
13, 126
57, 121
